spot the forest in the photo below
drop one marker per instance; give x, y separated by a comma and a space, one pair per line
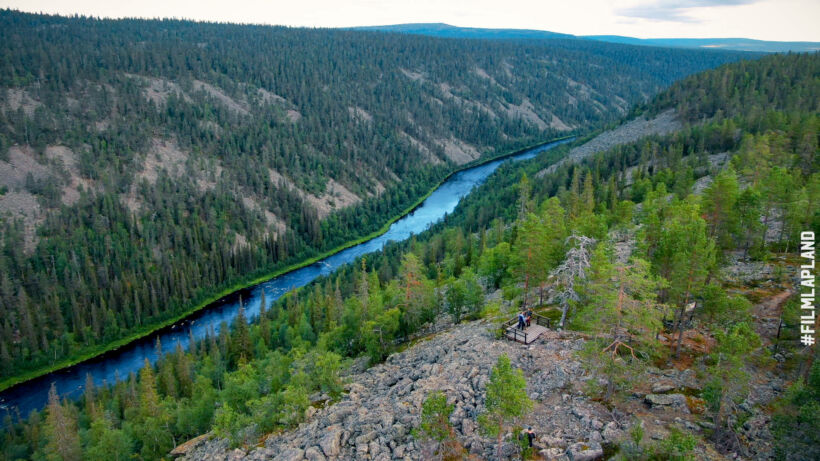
518, 234
147, 166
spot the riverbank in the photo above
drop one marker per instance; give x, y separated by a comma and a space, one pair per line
251, 280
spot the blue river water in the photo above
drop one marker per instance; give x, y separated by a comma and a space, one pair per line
118, 364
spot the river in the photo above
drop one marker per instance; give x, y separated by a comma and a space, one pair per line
119, 363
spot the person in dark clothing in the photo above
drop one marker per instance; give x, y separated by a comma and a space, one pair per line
528, 316
530, 436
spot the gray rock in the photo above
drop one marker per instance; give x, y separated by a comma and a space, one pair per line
366, 438
611, 432
675, 401
399, 430
585, 451
661, 387
688, 379
291, 454
331, 441
398, 452
236, 454
314, 454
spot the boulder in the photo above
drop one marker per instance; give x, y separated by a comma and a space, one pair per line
611, 432
314, 454
674, 401
662, 387
187, 447
291, 454
331, 441
585, 451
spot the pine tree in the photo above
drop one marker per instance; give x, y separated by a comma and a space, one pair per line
241, 347
506, 400
435, 427
619, 300
63, 440
719, 204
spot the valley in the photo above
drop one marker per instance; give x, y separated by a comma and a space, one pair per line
348, 220
169, 167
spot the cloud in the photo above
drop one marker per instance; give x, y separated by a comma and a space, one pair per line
674, 10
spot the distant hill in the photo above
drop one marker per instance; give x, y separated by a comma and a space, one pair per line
733, 44
438, 29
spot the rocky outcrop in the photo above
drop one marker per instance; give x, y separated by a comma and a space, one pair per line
375, 418
383, 404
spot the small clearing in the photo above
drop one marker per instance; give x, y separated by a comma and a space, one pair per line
425, 151
65, 159
270, 98
17, 98
336, 196
274, 223
458, 151
360, 114
415, 76
163, 155
23, 205
526, 111
483, 74
159, 89
22, 162
217, 93
293, 115
558, 124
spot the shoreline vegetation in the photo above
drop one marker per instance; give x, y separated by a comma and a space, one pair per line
252, 281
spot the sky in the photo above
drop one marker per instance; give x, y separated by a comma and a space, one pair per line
781, 20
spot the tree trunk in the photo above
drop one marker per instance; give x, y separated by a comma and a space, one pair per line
564, 309
499, 441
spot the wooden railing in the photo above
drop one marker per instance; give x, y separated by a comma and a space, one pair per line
511, 327
540, 320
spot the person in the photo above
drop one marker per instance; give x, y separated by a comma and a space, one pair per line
528, 316
521, 320
530, 435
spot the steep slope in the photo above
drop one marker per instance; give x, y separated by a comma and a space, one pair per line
148, 165
621, 379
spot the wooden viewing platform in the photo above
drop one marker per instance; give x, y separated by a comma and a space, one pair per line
538, 325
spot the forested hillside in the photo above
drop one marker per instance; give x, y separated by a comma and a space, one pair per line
146, 166
670, 256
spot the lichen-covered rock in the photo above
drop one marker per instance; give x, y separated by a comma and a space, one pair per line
585, 451
331, 441
675, 401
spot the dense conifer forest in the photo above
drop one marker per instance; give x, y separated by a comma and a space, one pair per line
735, 184
148, 165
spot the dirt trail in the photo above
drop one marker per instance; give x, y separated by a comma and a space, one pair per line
768, 314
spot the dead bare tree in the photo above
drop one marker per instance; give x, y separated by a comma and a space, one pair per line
570, 271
